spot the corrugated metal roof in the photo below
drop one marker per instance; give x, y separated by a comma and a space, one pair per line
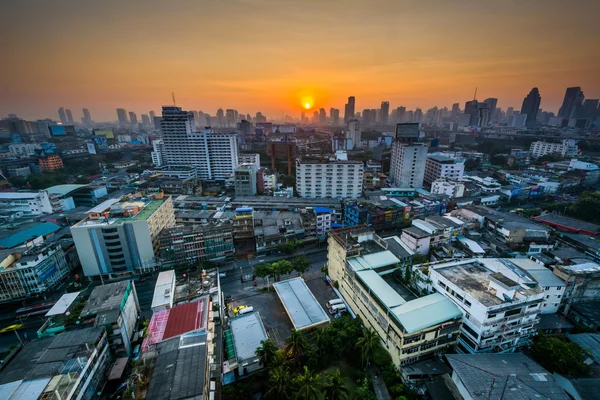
63, 304
20, 237
248, 331
24, 390
589, 342
301, 305
426, 311
63, 190
373, 260
186, 318
103, 206
472, 245
381, 288
163, 289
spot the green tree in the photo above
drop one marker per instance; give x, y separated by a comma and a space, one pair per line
587, 207
296, 345
334, 388
287, 247
556, 354
262, 271
364, 392
300, 264
472, 164
323, 341
369, 343
280, 384
308, 385
407, 274
498, 160
266, 352
419, 259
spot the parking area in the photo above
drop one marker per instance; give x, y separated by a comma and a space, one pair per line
276, 321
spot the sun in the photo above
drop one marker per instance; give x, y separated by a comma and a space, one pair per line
307, 102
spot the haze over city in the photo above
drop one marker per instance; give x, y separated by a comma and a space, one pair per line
267, 55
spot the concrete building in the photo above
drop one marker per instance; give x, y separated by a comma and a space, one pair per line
247, 332
192, 244
407, 166
13, 171
121, 237
416, 239
500, 301
361, 262
440, 167
164, 291
553, 286
51, 163
23, 149
26, 203
249, 158
318, 177
354, 133
158, 152
122, 116
115, 306
567, 148
244, 179
449, 188
31, 272
272, 228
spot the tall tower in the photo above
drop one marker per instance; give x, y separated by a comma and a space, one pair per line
349, 109
531, 107
133, 118
122, 116
572, 103
322, 116
87, 118
69, 116
62, 116
385, 112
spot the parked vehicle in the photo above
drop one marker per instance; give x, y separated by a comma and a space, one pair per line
337, 308
238, 309
334, 302
246, 310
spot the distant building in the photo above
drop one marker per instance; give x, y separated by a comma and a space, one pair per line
349, 109
122, 116
354, 133
133, 118
407, 165
572, 103
23, 149
62, 116
567, 148
385, 112
531, 107
51, 163
449, 188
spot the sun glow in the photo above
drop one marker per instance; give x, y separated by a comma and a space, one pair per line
307, 102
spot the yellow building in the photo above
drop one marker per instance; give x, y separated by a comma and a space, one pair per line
410, 328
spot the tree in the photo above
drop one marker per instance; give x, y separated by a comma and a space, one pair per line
266, 352
419, 259
287, 247
498, 160
472, 164
407, 275
557, 355
323, 341
334, 388
295, 345
587, 207
280, 384
369, 343
262, 271
300, 264
308, 385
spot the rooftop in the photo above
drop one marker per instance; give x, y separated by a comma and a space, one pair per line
398, 247
147, 208
589, 342
426, 311
106, 298
373, 260
64, 190
163, 290
248, 331
584, 240
504, 376
416, 232
300, 304
10, 238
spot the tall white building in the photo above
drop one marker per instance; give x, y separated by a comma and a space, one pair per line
212, 155
353, 132
567, 148
23, 149
158, 154
407, 167
324, 178
26, 203
440, 167
500, 301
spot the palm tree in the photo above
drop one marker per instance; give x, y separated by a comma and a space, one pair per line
334, 388
278, 360
370, 343
279, 383
266, 352
308, 385
295, 345
322, 340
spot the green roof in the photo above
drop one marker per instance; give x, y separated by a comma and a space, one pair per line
229, 347
426, 311
19, 237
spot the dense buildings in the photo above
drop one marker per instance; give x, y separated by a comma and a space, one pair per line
407, 167
566, 148
191, 244
441, 167
531, 106
319, 177
121, 236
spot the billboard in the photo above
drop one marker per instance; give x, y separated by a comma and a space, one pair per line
58, 130
107, 133
91, 148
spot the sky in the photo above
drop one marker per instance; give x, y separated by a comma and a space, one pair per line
267, 55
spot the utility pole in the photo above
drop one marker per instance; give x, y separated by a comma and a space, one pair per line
19, 337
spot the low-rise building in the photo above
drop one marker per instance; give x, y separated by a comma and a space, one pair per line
449, 188
26, 203
164, 291
566, 148
247, 331
272, 229
440, 167
411, 330
192, 244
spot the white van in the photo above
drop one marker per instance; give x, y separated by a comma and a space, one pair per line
334, 302
337, 308
246, 310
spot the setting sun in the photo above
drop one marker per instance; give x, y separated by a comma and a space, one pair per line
307, 102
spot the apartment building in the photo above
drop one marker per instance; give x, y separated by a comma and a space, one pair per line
51, 163
249, 158
26, 203
213, 155
566, 148
120, 236
244, 180
407, 165
320, 178
23, 149
500, 302
440, 167
361, 263
192, 244
449, 188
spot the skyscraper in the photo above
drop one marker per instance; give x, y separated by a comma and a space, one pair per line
145, 119
62, 116
122, 116
407, 165
531, 107
349, 109
492, 103
400, 114
302, 116
334, 114
69, 116
483, 115
385, 112
322, 116
455, 111
572, 103
220, 117
230, 117
87, 118
152, 114
260, 117
353, 132
590, 109
133, 118
472, 108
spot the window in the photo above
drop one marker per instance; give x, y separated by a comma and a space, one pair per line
492, 315
467, 303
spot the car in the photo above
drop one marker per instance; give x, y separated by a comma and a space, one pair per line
238, 309
222, 275
11, 328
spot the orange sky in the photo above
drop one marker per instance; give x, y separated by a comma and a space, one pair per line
265, 55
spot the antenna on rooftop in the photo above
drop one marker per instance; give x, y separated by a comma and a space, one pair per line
474, 96
173, 94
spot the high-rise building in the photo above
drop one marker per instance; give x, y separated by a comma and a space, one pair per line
492, 104
133, 118
213, 155
590, 109
349, 109
62, 116
230, 117
472, 109
152, 114
122, 116
510, 111
531, 106
220, 118
407, 166
400, 114
483, 115
442, 167
455, 111
87, 118
69, 116
334, 115
384, 113
322, 116
145, 119
158, 154
572, 103
353, 132
302, 116
260, 118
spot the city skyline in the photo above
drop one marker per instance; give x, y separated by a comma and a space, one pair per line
401, 52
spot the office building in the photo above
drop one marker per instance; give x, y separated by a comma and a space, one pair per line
152, 115
212, 155
318, 177
354, 133
441, 167
572, 103
192, 244
384, 113
244, 179
472, 109
133, 118
51, 163
492, 104
400, 115
483, 115
69, 115
349, 109
145, 120
407, 165
220, 117
87, 118
122, 116
121, 237
334, 115
322, 116
567, 148
411, 329
531, 107
62, 116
